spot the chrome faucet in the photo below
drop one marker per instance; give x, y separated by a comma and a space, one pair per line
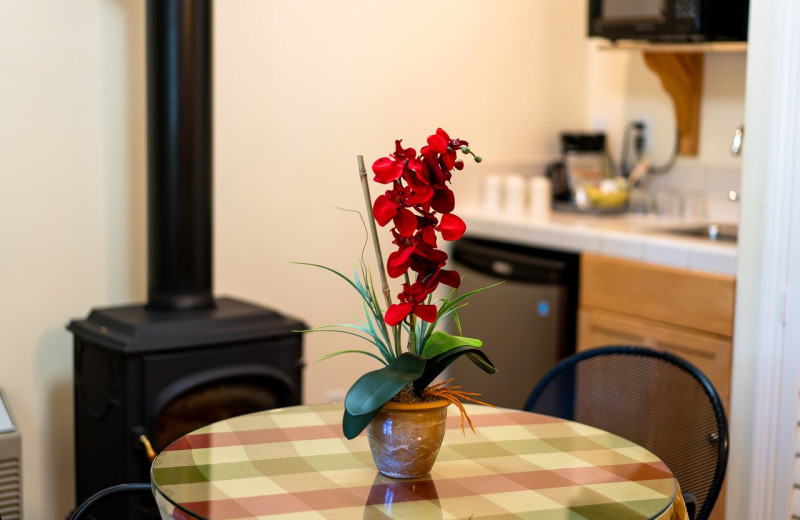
738, 137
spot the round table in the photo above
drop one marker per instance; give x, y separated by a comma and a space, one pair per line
295, 463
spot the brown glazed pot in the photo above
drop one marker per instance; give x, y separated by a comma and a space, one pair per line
405, 437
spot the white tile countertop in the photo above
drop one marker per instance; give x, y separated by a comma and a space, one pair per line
629, 236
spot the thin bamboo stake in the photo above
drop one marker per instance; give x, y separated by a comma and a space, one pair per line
362, 172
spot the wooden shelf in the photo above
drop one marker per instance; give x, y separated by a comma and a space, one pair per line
679, 66
628, 45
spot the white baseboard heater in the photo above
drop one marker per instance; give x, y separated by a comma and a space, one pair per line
10, 465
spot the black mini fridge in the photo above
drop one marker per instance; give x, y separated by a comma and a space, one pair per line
527, 323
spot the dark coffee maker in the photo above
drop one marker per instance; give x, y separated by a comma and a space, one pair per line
583, 160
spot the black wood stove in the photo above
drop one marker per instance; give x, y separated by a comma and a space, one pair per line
147, 374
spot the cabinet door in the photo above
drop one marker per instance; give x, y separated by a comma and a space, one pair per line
678, 297
708, 352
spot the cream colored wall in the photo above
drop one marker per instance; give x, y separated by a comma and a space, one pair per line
301, 88
65, 231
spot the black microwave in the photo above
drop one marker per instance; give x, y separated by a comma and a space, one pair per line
669, 20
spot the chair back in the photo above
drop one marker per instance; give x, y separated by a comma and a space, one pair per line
106, 496
653, 398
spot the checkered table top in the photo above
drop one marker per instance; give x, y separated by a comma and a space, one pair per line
294, 463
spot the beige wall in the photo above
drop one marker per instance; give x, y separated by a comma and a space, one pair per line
65, 231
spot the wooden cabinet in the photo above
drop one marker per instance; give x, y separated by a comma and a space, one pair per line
708, 352
687, 313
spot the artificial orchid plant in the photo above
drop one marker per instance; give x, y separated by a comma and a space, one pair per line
419, 206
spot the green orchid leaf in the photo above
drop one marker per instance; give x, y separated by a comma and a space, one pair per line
351, 351
448, 302
480, 360
440, 342
376, 342
435, 365
376, 388
352, 425
337, 273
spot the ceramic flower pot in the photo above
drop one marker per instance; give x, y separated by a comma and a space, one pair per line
405, 437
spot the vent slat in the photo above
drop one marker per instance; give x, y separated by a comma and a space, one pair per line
10, 485
10, 489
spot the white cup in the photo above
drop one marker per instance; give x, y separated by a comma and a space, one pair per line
492, 194
541, 197
514, 203
695, 206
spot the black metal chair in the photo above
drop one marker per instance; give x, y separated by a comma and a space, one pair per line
111, 493
650, 397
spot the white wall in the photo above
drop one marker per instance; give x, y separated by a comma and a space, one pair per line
301, 88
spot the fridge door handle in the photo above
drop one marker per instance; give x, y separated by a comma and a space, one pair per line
502, 268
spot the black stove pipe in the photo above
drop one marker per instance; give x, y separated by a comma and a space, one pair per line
179, 145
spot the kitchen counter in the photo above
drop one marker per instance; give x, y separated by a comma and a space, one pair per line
624, 235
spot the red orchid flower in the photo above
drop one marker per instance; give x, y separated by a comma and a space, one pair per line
403, 153
451, 227
420, 206
387, 170
391, 207
411, 299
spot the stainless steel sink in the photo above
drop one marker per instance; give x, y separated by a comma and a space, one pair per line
719, 232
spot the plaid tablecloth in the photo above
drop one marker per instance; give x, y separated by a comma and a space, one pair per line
294, 463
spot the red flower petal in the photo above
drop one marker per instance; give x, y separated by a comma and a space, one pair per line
420, 195
428, 236
451, 278
438, 143
387, 170
451, 227
403, 153
397, 312
425, 312
398, 262
405, 222
449, 160
443, 201
384, 210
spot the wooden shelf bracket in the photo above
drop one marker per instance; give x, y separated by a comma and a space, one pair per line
681, 74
